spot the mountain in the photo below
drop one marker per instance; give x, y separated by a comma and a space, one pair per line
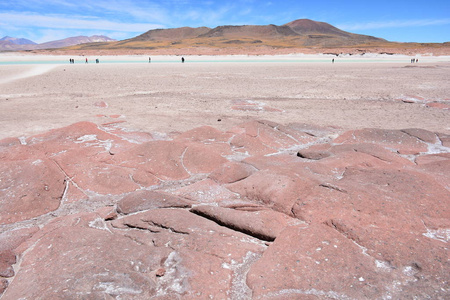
14, 44
172, 34
76, 40
296, 34
17, 41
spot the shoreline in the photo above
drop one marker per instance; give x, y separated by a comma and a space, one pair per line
17, 58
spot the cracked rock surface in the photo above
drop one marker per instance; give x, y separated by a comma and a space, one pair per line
262, 211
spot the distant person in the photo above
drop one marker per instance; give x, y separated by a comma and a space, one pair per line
97, 61
417, 60
182, 59
149, 60
332, 60
86, 60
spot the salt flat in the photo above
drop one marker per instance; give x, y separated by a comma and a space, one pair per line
166, 95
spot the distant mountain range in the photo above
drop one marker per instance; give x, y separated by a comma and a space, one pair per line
17, 41
297, 34
13, 44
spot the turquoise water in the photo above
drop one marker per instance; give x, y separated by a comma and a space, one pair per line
155, 61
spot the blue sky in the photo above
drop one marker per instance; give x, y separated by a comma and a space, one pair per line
46, 20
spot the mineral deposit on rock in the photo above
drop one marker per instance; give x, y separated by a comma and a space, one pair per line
261, 211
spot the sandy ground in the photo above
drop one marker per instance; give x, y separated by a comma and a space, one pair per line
167, 95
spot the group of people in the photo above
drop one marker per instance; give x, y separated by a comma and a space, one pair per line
150, 60
72, 61
414, 60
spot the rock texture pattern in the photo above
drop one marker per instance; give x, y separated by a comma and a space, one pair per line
262, 211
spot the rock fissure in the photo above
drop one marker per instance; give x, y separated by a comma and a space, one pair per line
261, 237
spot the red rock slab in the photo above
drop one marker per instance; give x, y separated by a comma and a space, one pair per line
191, 231
212, 259
10, 240
304, 262
204, 134
3, 285
365, 156
160, 158
29, 188
135, 137
422, 134
274, 188
315, 152
264, 224
74, 261
438, 105
232, 172
420, 256
314, 130
106, 179
263, 137
400, 198
206, 191
82, 136
391, 139
200, 158
322, 151
7, 260
445, 139
90, 171
432, 158
439, 170
145, 200
249, 145
101, 104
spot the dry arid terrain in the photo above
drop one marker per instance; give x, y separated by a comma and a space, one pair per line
225, 177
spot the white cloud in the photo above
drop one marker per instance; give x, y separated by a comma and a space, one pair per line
393, 24
25, 20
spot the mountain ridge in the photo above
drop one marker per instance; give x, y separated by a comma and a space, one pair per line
299, 33
8, 43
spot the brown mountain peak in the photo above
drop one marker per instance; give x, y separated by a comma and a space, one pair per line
307, 26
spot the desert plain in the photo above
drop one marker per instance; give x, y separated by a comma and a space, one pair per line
225, 177
351, 93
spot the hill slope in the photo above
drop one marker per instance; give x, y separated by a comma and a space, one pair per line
297, 34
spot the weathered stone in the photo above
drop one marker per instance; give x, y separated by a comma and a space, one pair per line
144, 200
303, 262
161, 158
276, 190
421, 134
7, 259
29, 188
3, 285
109, 214
232, 172
206, 191
10, 240
264, 224
69, 261
204, 134
392, 139
198, 158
